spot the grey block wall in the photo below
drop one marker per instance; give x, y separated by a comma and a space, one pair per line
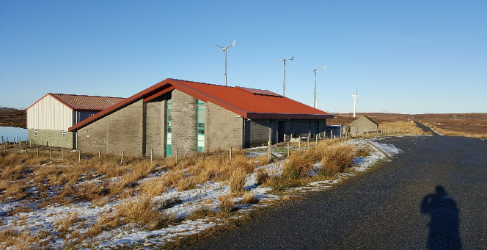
52, 137
184, 123
155, 132
223, 129
117, 132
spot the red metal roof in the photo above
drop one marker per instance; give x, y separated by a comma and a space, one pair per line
247, 102
84, 102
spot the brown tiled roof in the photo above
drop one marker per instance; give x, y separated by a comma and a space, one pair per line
84, 102
247, 102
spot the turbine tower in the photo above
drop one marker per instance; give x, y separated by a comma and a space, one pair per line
314, 70
284, 81
225, 51
355, 98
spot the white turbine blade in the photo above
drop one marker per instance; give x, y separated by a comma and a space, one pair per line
233, 44
292, 58
324, 67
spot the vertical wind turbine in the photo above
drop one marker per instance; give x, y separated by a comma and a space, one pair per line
225, 51
284, 81
315, 101
355, 98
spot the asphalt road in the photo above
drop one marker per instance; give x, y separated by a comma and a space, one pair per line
431, 196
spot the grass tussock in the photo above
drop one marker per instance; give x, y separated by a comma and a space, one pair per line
226, 203
248, 198
336, 159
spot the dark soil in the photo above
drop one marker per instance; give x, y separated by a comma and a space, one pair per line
13, 118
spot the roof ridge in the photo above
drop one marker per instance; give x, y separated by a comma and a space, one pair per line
87, 95
202, 83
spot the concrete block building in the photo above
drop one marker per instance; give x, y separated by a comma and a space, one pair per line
188, 117
363, 125
49, 118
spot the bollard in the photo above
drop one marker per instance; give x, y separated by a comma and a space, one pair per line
230, 153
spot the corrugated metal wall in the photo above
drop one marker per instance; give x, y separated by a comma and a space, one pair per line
49, 113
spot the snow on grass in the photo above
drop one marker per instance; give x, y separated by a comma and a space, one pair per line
189, 201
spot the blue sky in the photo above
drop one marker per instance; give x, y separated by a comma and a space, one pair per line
403, 56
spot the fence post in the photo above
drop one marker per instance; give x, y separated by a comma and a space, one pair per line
79, 155
50, 153
30, 143
177, 156
230, 153
4, 148
47, 143
99, 154
308, 141
151, 155
269, 151
299, 144
121, 160
37, 151
2, 140
288, 149
316, 140
62, 154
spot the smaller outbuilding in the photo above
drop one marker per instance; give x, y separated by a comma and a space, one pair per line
49, 118
362, 125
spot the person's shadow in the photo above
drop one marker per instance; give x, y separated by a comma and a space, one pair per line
444, 221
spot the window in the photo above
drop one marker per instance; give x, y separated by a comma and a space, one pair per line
35, 132
168, 127
64, 134
200, 129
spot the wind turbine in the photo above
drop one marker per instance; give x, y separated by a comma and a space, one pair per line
315, 101
355, 99
284, 81
225, 51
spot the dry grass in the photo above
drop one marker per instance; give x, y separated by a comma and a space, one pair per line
225, 203
62, 182
237, 181
401, 127
336, 159
451, 132
248, 198
63, 225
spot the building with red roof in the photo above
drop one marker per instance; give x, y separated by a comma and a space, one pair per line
187, 117
49, 118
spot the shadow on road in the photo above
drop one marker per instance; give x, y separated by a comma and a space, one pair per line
444, 220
